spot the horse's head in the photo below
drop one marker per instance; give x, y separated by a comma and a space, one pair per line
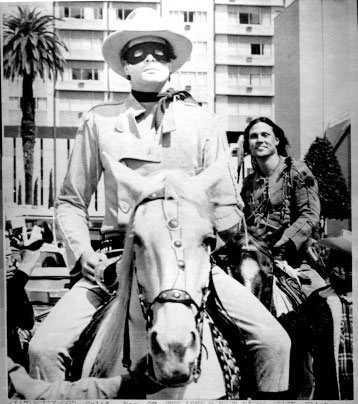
172, 235
251, 262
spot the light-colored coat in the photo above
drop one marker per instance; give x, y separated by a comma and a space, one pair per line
189, 138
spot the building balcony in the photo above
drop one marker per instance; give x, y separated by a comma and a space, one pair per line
224, 58
277, 3
14, 117
81, 24
81, 85
237, 123
84, 54
249, 90
243, 29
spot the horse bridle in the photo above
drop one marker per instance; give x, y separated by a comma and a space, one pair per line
173, 295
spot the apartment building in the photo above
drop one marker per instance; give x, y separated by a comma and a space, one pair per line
230, 73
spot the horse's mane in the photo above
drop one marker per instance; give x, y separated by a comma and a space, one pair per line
262, 256
178, 186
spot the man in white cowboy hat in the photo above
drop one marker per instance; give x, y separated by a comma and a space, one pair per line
147, 136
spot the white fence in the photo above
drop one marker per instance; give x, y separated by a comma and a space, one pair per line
46, 157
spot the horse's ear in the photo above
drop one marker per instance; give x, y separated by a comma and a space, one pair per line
215, 173
137, 186
129, 179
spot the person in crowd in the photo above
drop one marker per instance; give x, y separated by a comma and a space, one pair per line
329, 314
20, 321
149, 133
22, 386
20, 314
282, 206
282, 209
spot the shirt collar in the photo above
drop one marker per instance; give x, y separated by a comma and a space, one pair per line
132, 109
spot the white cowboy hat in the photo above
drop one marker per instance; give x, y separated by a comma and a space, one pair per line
341, 243
141, 22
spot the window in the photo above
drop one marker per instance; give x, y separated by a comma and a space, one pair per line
254, 76
257, 107
200, 17
257, 49
123, 13
76, 74
250, 18
202, 78
233, 15
98, 13
233, 73
72, 12
14, 102
233, 43
41, 103
233, 79
188, 16
84, 73
80, 42
266, 80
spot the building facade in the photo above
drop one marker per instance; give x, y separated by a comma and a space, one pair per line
230, 72
316, 52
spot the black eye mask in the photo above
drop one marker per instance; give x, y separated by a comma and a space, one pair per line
137, 53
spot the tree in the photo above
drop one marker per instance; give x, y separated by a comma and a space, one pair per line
30, 48
333, 190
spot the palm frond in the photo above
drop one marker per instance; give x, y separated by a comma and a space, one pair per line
31, 45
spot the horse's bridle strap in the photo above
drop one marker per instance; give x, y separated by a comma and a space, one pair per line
175, 296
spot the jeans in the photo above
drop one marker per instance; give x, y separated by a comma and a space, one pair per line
267, 343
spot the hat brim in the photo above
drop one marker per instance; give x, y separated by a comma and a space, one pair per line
115, 42
336, 243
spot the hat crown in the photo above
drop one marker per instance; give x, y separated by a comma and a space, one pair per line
143, 19
144, 22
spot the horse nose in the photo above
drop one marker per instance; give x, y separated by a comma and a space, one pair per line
161, 344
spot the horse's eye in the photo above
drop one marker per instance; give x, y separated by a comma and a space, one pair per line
137, 241
210, 242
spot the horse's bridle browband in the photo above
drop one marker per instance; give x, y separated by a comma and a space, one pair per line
170, 295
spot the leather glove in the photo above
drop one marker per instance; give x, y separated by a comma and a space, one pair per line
282, 252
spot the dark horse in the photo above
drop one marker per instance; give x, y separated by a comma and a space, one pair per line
278, 287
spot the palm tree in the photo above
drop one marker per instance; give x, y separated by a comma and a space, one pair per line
31, 48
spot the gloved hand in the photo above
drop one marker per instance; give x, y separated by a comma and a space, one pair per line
140, 382
144, 376
284, 249
89, 260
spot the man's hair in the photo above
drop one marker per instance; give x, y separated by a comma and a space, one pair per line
278, 132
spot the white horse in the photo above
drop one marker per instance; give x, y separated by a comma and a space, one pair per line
159, 308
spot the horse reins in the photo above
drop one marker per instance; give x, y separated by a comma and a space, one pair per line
173, 295
256, 246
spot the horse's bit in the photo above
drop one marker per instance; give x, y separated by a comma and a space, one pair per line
172, 295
